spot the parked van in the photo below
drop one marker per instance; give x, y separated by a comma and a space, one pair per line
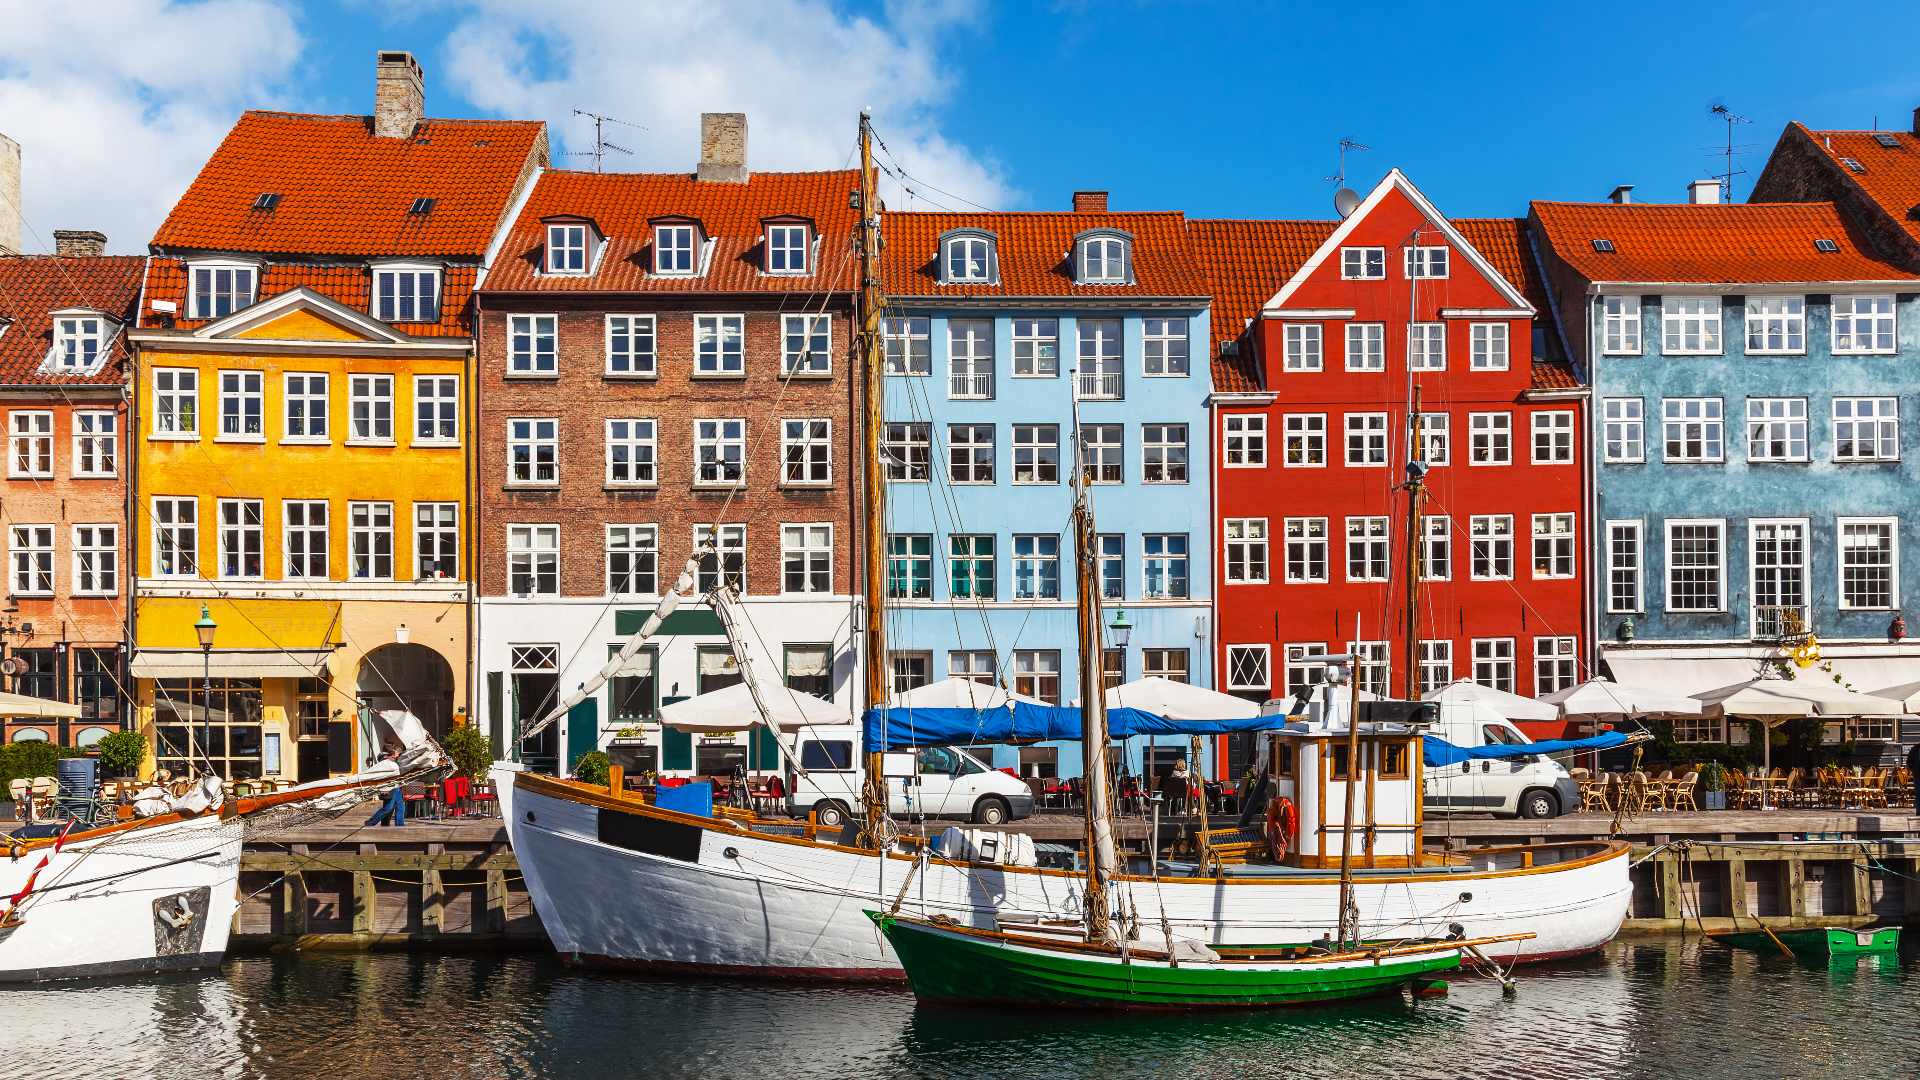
933, 781
1532, 786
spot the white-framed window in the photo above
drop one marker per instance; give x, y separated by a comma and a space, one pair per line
1163, 453
909, 566
970, 358
1165, 347
32, 558
370, 541
436, 540
1692, 429
806, 452
1367, 549
970, 453
1100, 355
78, 341
1490, 438
1036, 453
242, 406
1102, 261
533, 344
1776, 324
1490, 544
720, 452
1036, 348
1306, 439
980, 665
533, 451
1690, 325
1866, 429
566, 248
1623, 430
533, 560
787, 247
304, 537
370, 409
436, 410
633, 558
1301, 670
176, 403
1174, 665
1372, 669
1776, 429
406, 294
806, 344
1301, 346
1489, 346
1777, 573
970, 566
967, 259
719, 345
1493, 664
1436, 547
242, 538
1036, 673
1620, 325
1426, 346
1366, 440
1427, 261
1246, 439
1864, 324
96, 443
723, 557
633, 346
1036, 566
1624, 563
1436, 429
1164, 563
908, 342
1306, 540
96, 560
633, 453
1249, 667
1553, 437
907, 451
1366, 346
1436, 665
806, 559
673, 250
1554, 665
306, 407
176, 537
1103, 453
1246, 544
1363, 263
30, 443
1553, 545
1696, 564
1869, 563
220, 289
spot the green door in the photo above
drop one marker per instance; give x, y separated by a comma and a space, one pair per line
676, 747
764, 755
583, 730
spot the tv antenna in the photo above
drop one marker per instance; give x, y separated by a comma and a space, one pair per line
1340, 174
600, 143
1732, 118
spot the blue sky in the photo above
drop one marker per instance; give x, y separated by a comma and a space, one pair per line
1217, 109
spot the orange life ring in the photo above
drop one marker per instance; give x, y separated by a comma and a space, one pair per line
1283, 824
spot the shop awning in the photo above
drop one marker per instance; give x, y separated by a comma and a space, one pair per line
230, 663
22, 707
1692, 675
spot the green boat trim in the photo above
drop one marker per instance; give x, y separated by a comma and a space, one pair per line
952, 963
1814, 941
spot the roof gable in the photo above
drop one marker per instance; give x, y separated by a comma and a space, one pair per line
300, 314
1889, 175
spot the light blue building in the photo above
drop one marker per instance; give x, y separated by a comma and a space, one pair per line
1755, 444
1000, 329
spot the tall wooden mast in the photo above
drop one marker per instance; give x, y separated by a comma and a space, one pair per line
1093, 715
1416, 495
872, 482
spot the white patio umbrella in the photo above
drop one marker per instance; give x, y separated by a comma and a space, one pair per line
732, 709
1775, 701
1179, 701
22, 707
1598, 699
958, 694
1511, 706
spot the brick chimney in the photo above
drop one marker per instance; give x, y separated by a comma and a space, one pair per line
9, 195
1916, 119
79, 243
399, 94
1621, 194
723, 148
1703, 192
1089, 202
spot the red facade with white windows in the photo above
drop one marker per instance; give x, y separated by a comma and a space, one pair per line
1337, 324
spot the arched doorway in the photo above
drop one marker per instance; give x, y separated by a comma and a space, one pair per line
411, 677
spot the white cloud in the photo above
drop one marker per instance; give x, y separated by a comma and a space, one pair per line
117, 103
799, 69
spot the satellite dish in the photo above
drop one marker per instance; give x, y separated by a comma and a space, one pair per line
1346, 201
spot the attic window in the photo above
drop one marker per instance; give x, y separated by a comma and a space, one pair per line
967, 257
1604, 247
1101, 259
566, 249
422, 206
1826, 247
1886, 140
673, 249
77, 341
266, 200
1853, 163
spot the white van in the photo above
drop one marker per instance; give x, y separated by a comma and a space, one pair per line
1533, 786
933, 781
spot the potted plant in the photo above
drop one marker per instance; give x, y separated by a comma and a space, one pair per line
471, 751
1713, 786
592, 768
122, 752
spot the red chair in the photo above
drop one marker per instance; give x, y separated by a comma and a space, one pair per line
485, 802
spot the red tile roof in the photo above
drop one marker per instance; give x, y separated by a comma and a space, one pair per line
1034, 250
1247, 262
623, 205
344, 191
1891, 175
351, 285
34, 286
1722, 243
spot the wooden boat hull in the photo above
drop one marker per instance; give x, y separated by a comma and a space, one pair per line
1816, 942
971, 968
618, 883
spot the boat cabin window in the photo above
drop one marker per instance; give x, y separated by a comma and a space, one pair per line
1501, 735
826, 755
1393, 761
1282, 764
1339, 769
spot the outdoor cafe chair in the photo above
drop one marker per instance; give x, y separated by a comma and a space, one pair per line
1681, 797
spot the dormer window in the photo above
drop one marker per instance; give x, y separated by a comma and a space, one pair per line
220, 289
78, 340
406, 294
787, 249
673, 249
567, 248
1102, 259
966, 258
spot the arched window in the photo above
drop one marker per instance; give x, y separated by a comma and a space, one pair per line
30, 734
1103, 258
967, 257
89, 736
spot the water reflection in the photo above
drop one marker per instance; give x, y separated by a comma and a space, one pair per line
1648, 1008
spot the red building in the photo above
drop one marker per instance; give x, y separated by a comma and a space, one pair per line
1323, 332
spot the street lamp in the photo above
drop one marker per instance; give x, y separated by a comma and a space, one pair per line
204, 630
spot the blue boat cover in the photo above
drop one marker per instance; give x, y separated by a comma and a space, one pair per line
695, 799
909, 727
1435, 751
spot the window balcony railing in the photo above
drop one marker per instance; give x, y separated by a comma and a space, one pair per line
1098, 386
965, 385
1785, 623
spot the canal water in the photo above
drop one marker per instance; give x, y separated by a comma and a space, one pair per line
1663, 1007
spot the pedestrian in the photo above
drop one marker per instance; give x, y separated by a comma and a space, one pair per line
1913, 774
394, 810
